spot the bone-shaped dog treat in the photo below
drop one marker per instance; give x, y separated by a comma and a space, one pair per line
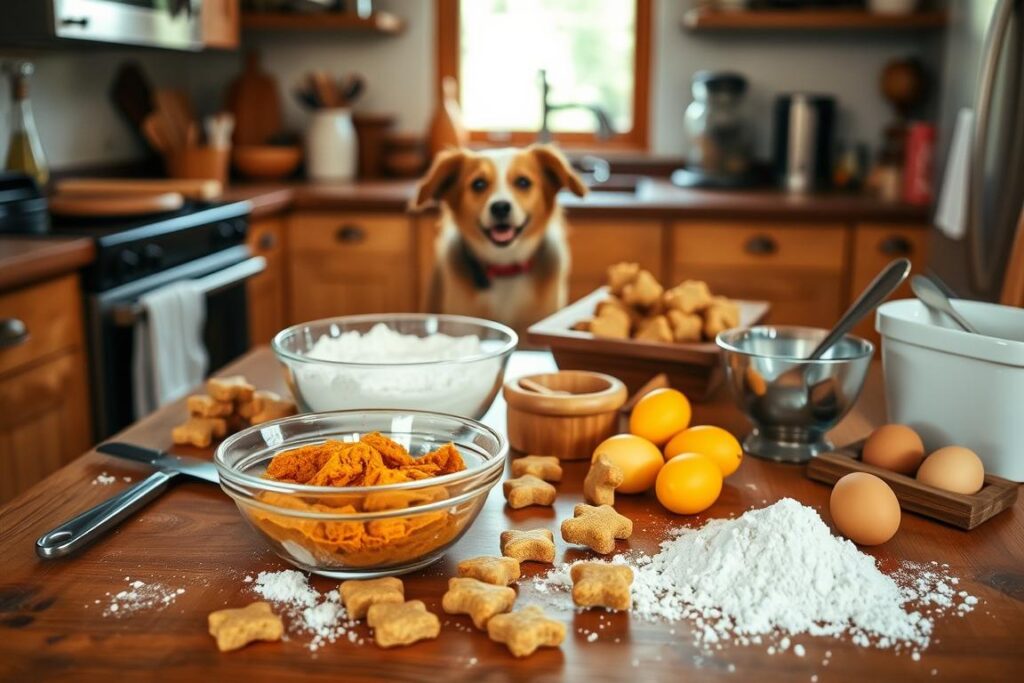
602, 479
479, 600
598, 584
596, 527
528, 490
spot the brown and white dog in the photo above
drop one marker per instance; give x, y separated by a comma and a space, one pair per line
502, 252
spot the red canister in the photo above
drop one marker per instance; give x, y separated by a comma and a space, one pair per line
917, 164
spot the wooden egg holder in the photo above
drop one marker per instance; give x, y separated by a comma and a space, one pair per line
964, 511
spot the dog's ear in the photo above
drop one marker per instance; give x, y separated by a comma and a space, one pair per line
557, 169
439, 178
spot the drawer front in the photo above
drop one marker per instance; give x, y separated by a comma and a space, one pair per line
819, 246
800, 271
595, 245
46, 421
874, 246
359, 237
797, 296
51, 313
344, 264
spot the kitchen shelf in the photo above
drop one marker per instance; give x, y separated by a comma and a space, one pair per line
378, 22
810, 19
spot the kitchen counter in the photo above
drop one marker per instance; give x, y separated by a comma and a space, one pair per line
28, 259
655, 198
53, 624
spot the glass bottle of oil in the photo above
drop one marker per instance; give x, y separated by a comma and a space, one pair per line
25, 151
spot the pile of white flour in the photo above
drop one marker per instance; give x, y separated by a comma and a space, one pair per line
779, 570
454, 389
321, 616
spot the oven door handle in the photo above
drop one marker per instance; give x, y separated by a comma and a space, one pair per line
126, 315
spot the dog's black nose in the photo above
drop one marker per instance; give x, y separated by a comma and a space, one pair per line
501, 209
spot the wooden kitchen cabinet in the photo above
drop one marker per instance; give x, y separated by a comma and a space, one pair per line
266, 291
874, 246
45, 415
800, 270
426, 229
597, 244
221, 23
347, 263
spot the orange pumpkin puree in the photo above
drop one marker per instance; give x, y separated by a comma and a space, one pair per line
374, 460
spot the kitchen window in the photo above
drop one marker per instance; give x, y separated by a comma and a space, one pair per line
595, 56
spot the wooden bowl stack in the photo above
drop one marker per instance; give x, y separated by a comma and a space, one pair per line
565, 414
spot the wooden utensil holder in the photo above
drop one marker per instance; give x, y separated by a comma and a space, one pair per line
199, 163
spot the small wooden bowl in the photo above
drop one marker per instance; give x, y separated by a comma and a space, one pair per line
266, 162
567, 425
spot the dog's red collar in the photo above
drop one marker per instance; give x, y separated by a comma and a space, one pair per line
494, 270
483, 273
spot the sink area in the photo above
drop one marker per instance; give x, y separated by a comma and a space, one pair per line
620, 183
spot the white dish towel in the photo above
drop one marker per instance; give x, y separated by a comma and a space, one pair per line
170, 356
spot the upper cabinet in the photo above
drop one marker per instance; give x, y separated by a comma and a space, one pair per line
221, 24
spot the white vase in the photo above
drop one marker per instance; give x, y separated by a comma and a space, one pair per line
331, 147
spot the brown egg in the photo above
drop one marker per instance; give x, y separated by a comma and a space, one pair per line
953, 468
864, 509
894, 447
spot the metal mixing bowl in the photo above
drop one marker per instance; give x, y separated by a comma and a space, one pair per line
791, 401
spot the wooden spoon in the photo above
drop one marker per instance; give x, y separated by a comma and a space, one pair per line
537, 387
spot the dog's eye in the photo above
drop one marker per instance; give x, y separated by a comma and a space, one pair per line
523, 183
478, 185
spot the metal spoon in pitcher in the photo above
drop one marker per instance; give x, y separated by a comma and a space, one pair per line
934, 298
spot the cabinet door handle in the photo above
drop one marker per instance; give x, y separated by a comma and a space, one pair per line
896, 246
761, 245
13, 332
350, 234
267, 241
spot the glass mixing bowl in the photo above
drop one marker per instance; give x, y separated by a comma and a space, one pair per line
362, 531
465, 385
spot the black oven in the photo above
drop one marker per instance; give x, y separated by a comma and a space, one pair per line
111, 317
205, 243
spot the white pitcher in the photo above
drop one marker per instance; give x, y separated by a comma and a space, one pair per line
331, 147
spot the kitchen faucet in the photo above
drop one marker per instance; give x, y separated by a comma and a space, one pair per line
604, 122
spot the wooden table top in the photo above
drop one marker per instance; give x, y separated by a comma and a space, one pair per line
52, 626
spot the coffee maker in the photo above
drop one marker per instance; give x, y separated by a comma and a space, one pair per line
804, 126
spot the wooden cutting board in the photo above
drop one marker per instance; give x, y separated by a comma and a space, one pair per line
255, 101
198, 189
82, 205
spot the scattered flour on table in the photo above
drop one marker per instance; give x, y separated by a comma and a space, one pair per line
320, 615
138, 596
446, 389
778, 572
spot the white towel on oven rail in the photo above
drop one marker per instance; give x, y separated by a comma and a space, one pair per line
170, 356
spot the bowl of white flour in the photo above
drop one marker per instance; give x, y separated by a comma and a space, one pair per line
413, 361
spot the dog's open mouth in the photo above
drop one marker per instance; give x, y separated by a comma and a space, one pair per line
503, 234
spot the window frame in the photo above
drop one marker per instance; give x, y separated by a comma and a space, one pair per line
447, 36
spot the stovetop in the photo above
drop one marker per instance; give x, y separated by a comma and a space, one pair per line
129, 249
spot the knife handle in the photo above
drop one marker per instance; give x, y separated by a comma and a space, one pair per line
85, 528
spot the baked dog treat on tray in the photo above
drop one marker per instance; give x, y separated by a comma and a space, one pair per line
639, 307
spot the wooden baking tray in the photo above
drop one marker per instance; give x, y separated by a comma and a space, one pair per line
957, 509
692, 368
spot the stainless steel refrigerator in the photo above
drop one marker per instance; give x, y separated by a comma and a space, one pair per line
981, 169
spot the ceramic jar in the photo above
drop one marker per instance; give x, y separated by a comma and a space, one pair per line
331, 146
